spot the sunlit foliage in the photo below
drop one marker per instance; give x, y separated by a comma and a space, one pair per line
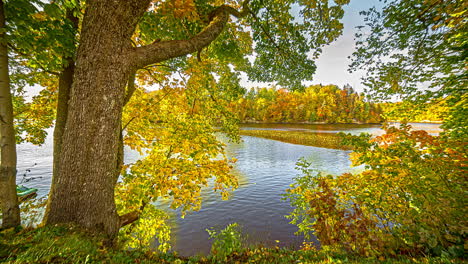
151, 229
435, 111
33, 116
410, 199
173, 129
417, 50
316, 103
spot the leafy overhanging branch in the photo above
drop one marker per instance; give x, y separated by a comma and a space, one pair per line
39, 65
165, 50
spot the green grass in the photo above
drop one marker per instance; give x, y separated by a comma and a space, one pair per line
67, 244
64, 244
322, 140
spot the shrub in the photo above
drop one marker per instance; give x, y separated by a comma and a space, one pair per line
226, 241
410, 199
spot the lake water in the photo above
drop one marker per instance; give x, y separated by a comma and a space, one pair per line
265, 168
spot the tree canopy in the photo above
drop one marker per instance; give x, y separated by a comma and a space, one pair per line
98, 60
95, 57
411, 43
410, 197
417, 50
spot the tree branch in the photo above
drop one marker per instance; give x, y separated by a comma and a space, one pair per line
130, 87
131, 217
153, 77
164, 50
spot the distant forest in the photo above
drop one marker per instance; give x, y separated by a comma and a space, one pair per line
433, 111
316, 103
328, 104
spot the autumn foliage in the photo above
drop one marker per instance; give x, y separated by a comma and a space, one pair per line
316, 103
410, 199
434, 111
173, 129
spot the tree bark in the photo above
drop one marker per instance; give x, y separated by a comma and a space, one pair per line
8, 196
64, 88
83, 191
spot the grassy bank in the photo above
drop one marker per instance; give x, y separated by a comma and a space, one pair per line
70, 245
322, 140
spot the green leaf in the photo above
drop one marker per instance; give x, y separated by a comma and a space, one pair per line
53, 11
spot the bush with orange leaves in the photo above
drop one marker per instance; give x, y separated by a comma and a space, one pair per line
410, 199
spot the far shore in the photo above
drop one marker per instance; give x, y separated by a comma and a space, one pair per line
325, 123
304, 123
419, 122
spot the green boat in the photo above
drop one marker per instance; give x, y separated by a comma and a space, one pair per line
22, 190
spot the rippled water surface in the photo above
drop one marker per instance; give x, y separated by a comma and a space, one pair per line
265, 169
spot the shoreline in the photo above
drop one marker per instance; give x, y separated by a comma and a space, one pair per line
325, 123
302, 123
419, 122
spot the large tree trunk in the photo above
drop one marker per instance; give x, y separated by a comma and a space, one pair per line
90, 153
65, 83
8, 197
84, 187
64, 88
